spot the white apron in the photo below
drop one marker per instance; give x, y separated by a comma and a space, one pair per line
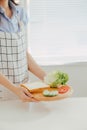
13, 60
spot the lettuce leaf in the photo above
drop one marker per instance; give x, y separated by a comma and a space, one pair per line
56, 78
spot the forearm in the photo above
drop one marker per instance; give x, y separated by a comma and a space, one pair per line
35, 68
6, 83
21, 92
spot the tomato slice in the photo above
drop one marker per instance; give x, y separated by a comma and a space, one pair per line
63, 89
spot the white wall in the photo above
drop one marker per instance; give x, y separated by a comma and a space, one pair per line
77, 76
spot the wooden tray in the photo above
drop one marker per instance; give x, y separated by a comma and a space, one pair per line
38, 93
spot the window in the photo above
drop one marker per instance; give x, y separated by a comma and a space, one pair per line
58, 31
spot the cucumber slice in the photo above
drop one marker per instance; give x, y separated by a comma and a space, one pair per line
48, 93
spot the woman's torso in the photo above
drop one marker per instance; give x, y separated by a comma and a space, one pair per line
11, 24
13, 60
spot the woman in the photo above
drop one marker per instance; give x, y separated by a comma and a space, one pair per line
15, 61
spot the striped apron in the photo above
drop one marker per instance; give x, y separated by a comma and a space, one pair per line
13, 60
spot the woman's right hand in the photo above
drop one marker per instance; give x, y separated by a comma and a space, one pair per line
21, 92
24, 95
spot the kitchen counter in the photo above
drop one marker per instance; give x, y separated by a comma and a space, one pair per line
66, 114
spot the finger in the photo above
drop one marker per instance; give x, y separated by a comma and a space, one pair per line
33, 99
25, 97
29, 95
27, 92
29, 99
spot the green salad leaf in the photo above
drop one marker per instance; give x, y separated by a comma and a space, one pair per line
56, 78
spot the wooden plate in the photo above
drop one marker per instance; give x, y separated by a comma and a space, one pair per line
38, 93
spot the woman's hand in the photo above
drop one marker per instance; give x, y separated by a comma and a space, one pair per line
24, 95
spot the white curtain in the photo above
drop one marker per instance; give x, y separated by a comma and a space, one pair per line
58, 30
